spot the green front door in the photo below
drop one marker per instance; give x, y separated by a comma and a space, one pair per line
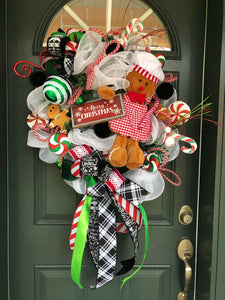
41, 205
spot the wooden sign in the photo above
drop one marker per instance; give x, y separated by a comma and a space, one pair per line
97, 111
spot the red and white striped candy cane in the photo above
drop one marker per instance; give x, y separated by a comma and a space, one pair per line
75, 95
180, 137
135, 25
148, 114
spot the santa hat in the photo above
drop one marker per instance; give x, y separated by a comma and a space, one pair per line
148, 65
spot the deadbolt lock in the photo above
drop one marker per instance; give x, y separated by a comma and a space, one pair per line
186, 215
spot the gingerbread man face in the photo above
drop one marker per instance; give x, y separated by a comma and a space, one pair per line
53, 110
140, 84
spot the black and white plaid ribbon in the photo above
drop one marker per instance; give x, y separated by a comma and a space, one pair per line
102, 226
68, 64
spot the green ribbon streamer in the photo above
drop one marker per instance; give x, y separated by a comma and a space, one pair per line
146, 245
90, 180
80, 242
81, 236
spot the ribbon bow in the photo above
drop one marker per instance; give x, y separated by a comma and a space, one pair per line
136, 97
95, 217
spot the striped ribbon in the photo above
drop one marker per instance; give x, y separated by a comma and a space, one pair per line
131, 209
73, 232
106, 191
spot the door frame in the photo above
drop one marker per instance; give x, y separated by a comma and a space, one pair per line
217, 290
215, 139
3, 153
212, 189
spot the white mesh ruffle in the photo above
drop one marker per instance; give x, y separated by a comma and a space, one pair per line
88, 137
46, 155
36, 102
112, 71
89, 49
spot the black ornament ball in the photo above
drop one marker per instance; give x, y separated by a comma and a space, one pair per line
38, 78
165, 90
102, 130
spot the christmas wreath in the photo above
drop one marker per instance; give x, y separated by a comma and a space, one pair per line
105, 113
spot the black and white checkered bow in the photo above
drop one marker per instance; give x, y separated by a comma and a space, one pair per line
101, 235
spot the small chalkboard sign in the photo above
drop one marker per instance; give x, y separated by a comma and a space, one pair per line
97, 111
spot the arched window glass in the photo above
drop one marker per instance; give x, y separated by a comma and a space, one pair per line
108, 15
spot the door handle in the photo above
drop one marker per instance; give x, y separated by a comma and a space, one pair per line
185, 216
185, 251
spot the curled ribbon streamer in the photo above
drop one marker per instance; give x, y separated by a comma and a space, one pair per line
169, 180
43, 127
169, 77
162, 169
25, 68
153, 32
146, 245
43, 53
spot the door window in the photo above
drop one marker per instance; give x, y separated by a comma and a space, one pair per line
107, 15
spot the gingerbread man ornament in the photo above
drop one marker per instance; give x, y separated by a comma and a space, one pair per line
59, 118
136, 125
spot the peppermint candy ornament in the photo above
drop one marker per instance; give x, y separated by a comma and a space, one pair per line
161, 58
152, 162
33, 119
59, 143
57, 90
71, 47
179, 113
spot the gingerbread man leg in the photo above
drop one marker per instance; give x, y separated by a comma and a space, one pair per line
118, 153
135, 156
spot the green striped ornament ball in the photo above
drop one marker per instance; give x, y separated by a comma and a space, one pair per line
57, 90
